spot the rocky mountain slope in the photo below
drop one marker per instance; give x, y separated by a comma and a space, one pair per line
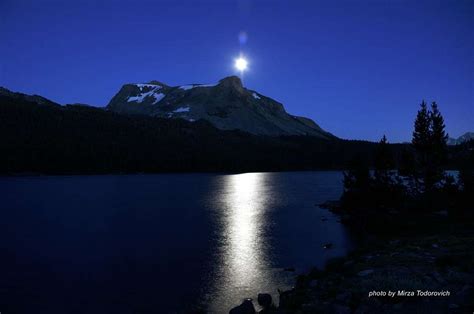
227, 105
463, 138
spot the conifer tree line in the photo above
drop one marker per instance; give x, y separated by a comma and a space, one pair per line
419, 179
430, 143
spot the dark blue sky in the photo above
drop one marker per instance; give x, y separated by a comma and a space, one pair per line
358, 68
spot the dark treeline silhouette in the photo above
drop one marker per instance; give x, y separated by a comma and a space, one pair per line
43, 137
48, 138
419, 182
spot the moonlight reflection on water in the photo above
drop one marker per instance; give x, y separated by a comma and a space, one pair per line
244, 262
243, 214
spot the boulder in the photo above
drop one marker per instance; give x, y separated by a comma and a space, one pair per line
286, 297
245, 308
264, 300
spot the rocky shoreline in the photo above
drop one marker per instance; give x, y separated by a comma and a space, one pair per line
427, 269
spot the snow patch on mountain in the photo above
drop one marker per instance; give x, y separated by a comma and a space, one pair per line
155, 87
188, 87
207, 85
182, 109
152, 93
158, 97
256, 96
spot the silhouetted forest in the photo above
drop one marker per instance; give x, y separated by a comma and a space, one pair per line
419, 183
48, 138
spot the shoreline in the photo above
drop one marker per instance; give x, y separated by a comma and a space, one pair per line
82, 174
426, 271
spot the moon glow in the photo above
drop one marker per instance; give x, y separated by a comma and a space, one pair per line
241, 64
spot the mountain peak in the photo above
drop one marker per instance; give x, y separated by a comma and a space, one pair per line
463, 138
155, 82
231, 81
226, 105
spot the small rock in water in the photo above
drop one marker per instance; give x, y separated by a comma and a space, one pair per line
245, 308
289, 269
366, 272
265, 300
327, 245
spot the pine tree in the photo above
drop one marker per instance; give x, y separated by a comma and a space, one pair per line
429, 141
438, 132
422, 134
422, 143
439, 137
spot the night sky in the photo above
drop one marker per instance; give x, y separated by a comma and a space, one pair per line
358, 68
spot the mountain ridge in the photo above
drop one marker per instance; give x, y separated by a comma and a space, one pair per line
461, 139
40, 100
227, 105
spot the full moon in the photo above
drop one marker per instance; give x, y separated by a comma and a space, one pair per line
241, 64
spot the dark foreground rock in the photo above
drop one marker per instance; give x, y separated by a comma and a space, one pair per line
264, 300
245, 308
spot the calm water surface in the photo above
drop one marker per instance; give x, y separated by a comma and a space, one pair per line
160, 243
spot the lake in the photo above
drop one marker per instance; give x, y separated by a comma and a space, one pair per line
167, 243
